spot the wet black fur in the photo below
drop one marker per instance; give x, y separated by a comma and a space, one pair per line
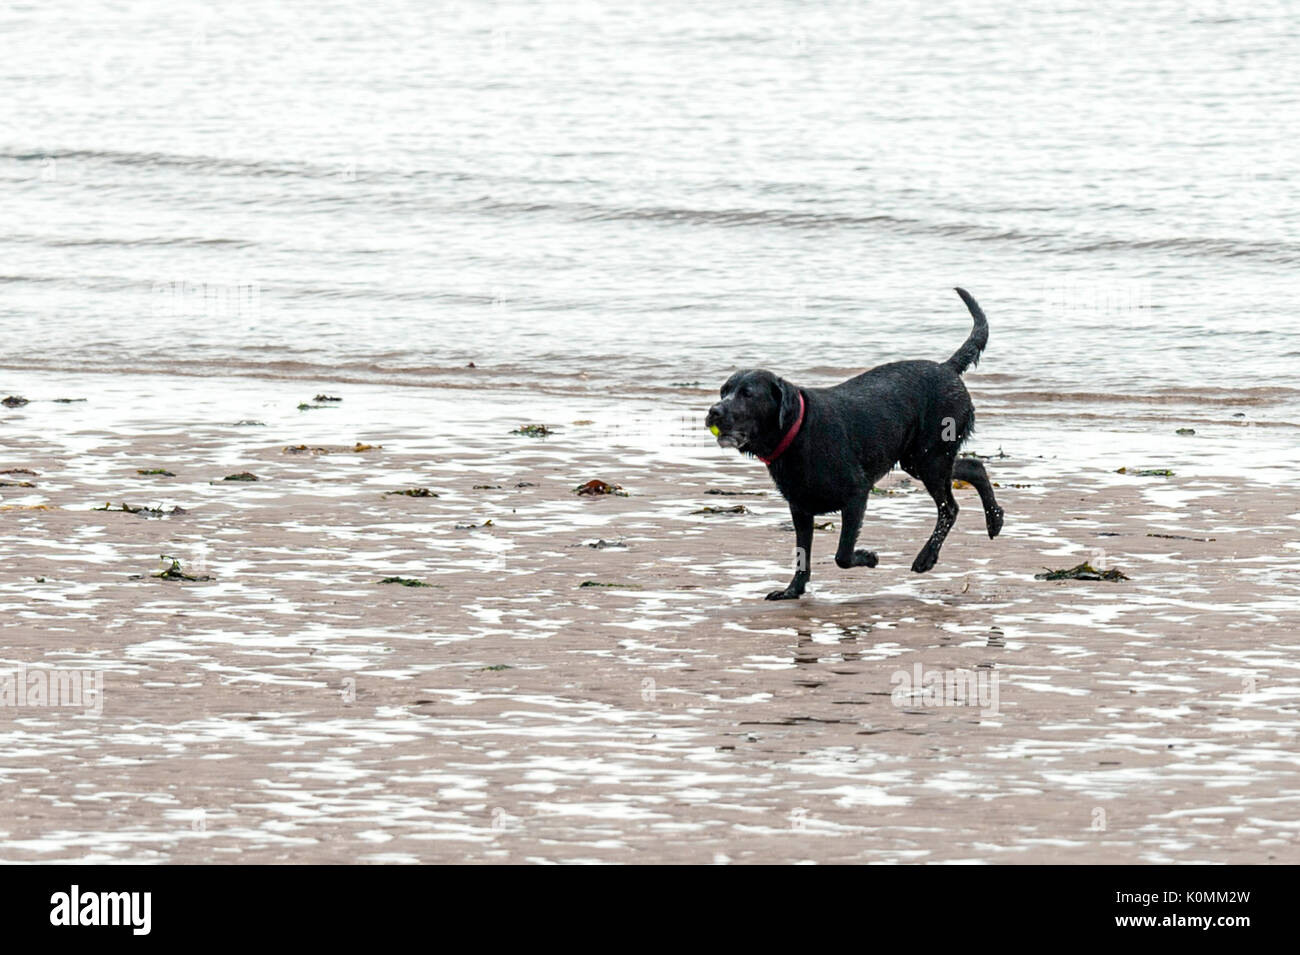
912, 413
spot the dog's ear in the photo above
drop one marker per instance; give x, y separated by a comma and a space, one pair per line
787, 396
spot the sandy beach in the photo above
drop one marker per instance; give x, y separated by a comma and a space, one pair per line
597, 678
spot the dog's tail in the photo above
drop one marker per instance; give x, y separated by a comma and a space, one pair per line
969, 353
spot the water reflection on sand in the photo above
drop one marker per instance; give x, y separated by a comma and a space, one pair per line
294, 708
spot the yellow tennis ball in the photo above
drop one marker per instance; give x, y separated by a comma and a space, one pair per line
715, 430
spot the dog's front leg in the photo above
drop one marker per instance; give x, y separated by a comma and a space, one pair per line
850, 524
803, 531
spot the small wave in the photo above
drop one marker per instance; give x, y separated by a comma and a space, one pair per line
1136, 414
102, 283
32, 279
1276, 251
595, 212
134, 242
215, 164
146, 242
1242, 397
349, 169
568, 375
1047, 240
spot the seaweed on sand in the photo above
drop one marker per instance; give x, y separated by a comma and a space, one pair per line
737, 509
405, 582
817, 525
984, 457
357, 448
1146, 472
602, 544
1084, 571
595, 487
533, 431
145, 511
411, 492
174, 571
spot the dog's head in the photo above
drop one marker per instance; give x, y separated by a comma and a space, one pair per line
755, 410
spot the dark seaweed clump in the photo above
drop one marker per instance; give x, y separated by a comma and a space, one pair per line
596, 487
1146, 472
143, 511
533, 430
175, 572
1084, 571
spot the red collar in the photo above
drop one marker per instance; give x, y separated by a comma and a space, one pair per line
789, 436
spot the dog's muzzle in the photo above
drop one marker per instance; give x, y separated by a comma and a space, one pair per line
717, 422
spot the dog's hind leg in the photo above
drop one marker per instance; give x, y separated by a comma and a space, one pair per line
936, 473
850, 524
972, 471
803, 535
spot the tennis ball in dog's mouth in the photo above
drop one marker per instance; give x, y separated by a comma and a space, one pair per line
716, 431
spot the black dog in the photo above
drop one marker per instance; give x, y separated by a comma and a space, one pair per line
827, 447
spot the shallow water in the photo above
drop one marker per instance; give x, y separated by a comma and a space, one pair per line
592, 199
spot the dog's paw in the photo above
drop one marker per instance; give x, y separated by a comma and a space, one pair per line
788, 594
865, 558
925, 560
994, 520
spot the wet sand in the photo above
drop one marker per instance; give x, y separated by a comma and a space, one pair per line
295, 709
